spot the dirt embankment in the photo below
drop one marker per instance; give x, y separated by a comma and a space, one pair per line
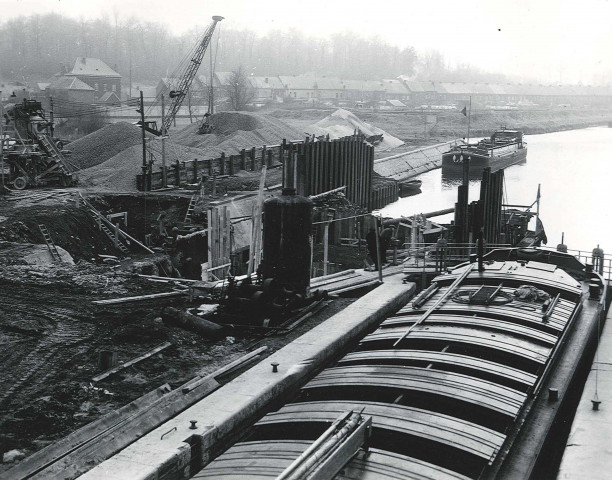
419, 129
414, 130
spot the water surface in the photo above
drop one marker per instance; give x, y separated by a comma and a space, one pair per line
574, 170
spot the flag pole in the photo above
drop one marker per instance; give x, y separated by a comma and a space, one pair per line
469, 119
538, 205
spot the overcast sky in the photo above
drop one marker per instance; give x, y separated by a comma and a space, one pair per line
553, 40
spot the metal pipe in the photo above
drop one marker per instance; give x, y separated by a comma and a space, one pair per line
444, 296
317, 443
547, 314
311, 461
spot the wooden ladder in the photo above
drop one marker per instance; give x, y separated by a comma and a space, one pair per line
191, 208
108, 232
50, 244
51, 149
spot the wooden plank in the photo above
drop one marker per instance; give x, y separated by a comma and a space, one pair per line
225, 370
126, 433
140, 298
354, 286
75, 440
131, 362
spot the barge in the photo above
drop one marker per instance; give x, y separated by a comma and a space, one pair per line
467, 381
503, 149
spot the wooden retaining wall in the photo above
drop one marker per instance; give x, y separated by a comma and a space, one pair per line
192, 171
386, 191
323, 165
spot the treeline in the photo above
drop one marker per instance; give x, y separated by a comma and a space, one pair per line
34, 48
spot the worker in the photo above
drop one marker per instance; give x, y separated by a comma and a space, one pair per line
371, 244
385, 242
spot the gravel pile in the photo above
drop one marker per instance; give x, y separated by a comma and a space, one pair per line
118, 173
234, 131
343, 123
103, 144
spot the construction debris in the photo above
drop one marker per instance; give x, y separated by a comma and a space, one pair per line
131, 362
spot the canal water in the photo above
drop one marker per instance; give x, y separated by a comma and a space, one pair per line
574, 169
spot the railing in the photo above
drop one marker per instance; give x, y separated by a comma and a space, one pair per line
422, 255
434, 255
602, 264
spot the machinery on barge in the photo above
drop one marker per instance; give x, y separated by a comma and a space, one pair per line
465, 382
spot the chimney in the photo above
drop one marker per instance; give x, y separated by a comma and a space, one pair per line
83, 60
266, 80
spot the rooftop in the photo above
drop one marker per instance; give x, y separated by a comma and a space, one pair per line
69, 83
92, 67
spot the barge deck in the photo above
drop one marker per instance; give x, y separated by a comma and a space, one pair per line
456, 385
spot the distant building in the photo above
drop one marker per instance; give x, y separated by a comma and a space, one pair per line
70, 95
109, 98
166, 85
266, 88
395, 90
312, 87
97, 74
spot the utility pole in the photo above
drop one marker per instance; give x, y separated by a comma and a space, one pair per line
2, 139
163, 142
52, 126
144, 144
211, 107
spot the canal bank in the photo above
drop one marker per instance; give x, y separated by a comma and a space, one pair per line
571, 168
423, 152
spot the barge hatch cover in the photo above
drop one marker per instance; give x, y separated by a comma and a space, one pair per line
447, 389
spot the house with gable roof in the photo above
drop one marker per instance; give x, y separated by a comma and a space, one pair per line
97, 74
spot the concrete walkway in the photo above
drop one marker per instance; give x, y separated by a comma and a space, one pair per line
588, 453
174, 451
406, 165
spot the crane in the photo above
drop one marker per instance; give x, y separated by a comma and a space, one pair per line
186, 78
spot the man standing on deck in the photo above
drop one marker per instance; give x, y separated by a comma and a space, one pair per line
371, 244
385, 242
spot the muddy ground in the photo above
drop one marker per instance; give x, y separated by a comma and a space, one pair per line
51, 333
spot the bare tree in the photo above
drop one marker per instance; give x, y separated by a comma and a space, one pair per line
238, 89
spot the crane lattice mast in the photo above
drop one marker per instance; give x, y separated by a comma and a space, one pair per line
177, 96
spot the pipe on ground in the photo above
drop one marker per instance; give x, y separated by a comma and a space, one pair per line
205, 328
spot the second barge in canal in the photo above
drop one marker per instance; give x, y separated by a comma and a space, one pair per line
504, 148
465, 382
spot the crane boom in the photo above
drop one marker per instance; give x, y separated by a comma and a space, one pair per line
177, 96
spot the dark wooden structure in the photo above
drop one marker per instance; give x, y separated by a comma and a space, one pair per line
323, 165
485, 213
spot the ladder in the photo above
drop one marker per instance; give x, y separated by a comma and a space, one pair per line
50, 244
109, 234
191, 208
52, 151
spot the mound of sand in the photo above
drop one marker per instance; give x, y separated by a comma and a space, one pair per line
342, 123
103, 144
233, 131
118, 173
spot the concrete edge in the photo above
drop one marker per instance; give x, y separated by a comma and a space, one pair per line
241, 402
